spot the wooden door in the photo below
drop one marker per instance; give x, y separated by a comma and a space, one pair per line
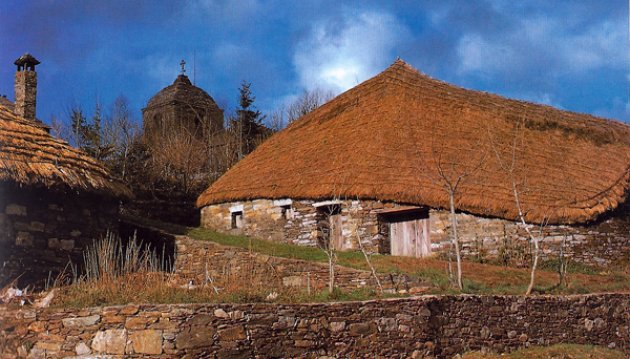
410, 238
336, 236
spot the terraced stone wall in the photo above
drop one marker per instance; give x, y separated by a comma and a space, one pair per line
423, 327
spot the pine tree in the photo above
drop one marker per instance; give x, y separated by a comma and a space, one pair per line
249, 121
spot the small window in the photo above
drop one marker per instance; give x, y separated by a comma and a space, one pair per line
287, 211
237, 219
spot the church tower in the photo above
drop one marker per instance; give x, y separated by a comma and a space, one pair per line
182, 106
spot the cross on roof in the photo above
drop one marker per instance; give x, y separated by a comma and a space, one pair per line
183, 64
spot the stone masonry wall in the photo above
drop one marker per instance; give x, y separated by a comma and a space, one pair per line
263, 218
420, 327
199, 262
603, 243
40, 231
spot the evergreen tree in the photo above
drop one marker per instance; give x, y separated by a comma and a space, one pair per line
249, 121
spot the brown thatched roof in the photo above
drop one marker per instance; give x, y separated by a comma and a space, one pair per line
182, 91
31, 156
388, 138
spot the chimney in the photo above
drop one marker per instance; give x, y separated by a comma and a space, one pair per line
26, 86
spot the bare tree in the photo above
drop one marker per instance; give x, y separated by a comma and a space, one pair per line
307, 102
517, 187
451, 169
452, 175
367, 258
325, 241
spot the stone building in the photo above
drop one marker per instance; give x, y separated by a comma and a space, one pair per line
376, 164
54, 199
179, 107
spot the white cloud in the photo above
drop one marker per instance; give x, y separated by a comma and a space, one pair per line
544, 41
339, 56
479, 54
163, 70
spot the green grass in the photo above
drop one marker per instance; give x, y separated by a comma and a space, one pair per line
560, 351
478, 278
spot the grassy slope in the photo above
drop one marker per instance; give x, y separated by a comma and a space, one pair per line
479, 278
559, 351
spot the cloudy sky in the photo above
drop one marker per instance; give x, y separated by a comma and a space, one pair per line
569, 54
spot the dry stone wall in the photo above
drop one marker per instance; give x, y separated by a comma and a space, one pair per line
264, 218
423, 327
604, 243
199, 263
40, 230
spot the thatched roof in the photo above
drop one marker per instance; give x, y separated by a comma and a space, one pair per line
182, 91
31, 156
389, 137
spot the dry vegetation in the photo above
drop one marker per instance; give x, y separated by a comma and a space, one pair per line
558, 351
143, 281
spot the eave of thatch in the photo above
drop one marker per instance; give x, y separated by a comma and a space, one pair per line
29, 156
388, 137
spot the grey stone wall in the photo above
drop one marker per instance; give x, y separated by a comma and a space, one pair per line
603, 243
42, 230
422, 327
264, 218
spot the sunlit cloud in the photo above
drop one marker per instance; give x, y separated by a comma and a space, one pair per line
338, 56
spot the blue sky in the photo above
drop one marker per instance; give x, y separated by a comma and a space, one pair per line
568, 54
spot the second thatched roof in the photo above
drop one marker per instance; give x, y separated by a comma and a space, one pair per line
403, 136
30, 156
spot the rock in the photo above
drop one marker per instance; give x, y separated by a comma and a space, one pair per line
112, 341
48, 346
337, 326
80, 321
233, 333
362, 328
388, 324
82, 349
147, 342
129, 309
220, 313
523, 338
16, 210
197, 334
137, 322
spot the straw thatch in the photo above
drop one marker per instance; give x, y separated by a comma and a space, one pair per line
182, 91
29, 155
389, 137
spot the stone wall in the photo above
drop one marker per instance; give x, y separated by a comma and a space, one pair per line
177, 209
603, 243
264, 218
399, 328
42, 230
199, 263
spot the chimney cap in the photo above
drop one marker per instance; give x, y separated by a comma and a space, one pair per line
26, 60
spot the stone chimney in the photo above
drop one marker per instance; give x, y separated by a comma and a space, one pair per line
26, 86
